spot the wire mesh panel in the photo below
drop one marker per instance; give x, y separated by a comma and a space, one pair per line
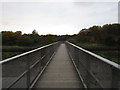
21, 71
12, 70
34, 71
21, 83
96, 71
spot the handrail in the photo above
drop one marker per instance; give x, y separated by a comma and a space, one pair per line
97, 56
35, 58
23, 54
23, 74
91, 67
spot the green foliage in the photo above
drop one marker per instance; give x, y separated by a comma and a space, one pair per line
9, 51
118, 41
111, 55
34, 32
109, 41
6, 55
34, 39
106, 37
107, 34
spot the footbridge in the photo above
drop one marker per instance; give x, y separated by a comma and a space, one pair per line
59, 65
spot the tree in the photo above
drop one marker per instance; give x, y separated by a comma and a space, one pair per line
25, 41
34, 32
109, 41
18, 32
8, 38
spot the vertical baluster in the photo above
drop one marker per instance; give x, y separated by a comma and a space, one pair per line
28, 70
40, 67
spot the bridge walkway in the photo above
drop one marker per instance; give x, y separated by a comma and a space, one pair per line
60, 73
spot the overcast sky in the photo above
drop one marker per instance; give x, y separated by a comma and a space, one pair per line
56, 17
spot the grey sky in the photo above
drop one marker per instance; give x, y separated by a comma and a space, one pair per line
57, 17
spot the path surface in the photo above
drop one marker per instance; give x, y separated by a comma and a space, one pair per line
60, 73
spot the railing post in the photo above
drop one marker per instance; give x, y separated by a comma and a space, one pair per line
40, 61
28, 71
96, 71
48, 52
87, 66
76, 57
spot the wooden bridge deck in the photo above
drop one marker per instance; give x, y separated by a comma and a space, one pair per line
60, 73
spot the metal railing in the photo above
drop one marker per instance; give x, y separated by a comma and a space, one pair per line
22, 71
94, 71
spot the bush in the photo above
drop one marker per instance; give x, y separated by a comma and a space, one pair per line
109, 41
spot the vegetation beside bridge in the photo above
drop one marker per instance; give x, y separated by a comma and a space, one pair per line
103, 40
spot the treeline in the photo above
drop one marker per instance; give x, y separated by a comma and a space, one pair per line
17, 38
108, 34
11, 38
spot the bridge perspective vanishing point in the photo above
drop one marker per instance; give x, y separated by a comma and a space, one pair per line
59, 65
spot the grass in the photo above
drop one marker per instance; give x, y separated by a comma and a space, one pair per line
111, 55
87, 45
18, 48
108, 52
6, 55
95, 46
10, 51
